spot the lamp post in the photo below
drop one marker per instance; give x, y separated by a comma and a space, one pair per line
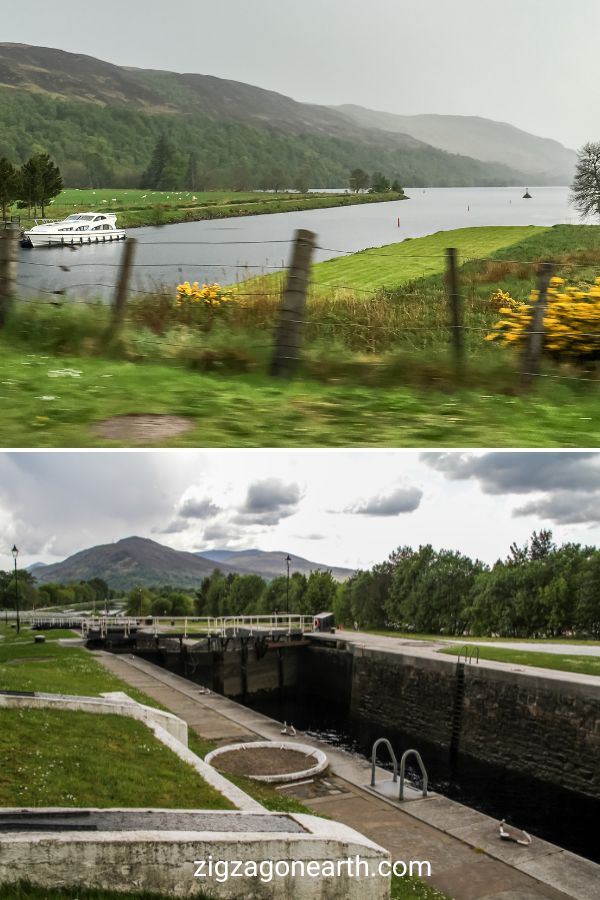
288, 560
15, 553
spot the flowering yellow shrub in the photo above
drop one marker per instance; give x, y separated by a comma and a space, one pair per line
208, 295
571, 322
502, 298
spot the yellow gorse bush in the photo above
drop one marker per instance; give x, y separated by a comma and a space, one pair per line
208, 295
571, 321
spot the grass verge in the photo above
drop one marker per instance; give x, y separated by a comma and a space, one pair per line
25, 666
582, 665
39, 409
78, 759
402, 889
476, 639
26, 891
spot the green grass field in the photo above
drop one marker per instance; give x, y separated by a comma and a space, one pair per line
38, 410
144, 207
583, 665
396, 264
60, 758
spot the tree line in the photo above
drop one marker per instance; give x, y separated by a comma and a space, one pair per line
35, 596
539, 590
236, 595
33, 184
377, 183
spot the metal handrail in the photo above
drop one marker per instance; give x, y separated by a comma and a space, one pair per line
374, 757
288, 621
406, 754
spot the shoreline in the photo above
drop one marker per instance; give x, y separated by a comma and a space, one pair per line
166, 214
159, 215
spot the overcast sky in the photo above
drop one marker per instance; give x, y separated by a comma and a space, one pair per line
346, 508
533, 63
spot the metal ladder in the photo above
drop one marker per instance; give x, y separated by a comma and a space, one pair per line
401, 768
374, 757
469, 651
417, 755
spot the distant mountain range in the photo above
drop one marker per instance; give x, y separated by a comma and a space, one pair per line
271, 564
139, 561
91, 114
546, 160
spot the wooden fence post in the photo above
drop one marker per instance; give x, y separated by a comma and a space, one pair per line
535, 339
288, 342
9, 243
120, 297
456, 323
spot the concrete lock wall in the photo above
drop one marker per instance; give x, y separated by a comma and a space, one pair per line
540, 727
166, 861
551, 729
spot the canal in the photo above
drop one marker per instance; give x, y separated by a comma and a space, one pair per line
231, 250
546, 811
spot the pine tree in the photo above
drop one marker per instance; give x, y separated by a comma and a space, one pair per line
9, 185
41, 181
160, 168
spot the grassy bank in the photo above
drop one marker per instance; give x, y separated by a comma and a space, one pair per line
376, 371
53, 668
136, 208
582, 665
476, 639
397, 264
78, 759
39, 409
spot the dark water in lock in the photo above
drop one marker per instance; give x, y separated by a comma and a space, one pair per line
231, 250
545, 811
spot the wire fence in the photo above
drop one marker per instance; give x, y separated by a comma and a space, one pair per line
406, 315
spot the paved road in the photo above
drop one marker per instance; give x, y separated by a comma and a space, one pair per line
430, 650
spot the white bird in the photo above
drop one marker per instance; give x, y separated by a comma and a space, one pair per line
292, 731
284, 729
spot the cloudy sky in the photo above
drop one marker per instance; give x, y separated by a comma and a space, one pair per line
346, 508
533, 63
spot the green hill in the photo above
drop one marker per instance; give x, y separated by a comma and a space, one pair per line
136, 561
101, 123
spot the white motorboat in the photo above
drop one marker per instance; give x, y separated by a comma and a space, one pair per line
75, 230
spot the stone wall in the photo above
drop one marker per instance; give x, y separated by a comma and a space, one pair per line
544, 728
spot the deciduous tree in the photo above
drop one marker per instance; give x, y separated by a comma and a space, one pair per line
585, 190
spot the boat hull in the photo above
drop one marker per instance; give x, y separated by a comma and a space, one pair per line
30, 238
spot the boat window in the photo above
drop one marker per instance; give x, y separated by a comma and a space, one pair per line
82, 228
106, 228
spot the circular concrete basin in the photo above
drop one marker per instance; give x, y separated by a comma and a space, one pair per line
270, 761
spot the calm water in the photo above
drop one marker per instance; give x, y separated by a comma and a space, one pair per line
545, 811
229, 250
